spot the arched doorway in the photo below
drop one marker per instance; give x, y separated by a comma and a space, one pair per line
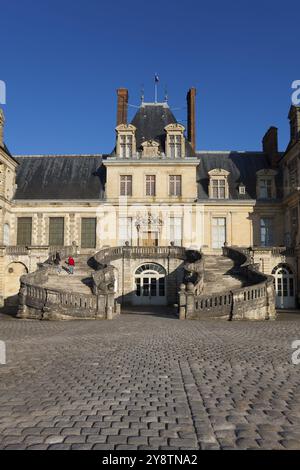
150, 285
284, 286
12, 282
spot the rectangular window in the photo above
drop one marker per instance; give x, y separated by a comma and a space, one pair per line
176, 230
175, 142
24, 231
265, 188
175, 185
266, 232
218, 189
218, 232
126, 146
125, 230
150, 185
126, 185
56, 231
88, 232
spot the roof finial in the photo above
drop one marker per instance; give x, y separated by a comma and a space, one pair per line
166, 94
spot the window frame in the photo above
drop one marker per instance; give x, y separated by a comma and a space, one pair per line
269, 231
126, 185
62, 235
174, 183
93, 238
150, 185
20, 242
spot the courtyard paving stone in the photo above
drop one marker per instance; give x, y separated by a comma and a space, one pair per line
147, 381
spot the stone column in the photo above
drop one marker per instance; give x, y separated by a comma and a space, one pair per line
182, 302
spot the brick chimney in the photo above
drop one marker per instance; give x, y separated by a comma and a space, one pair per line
294, 117
270, 146
1, 128
191, 117
122, 106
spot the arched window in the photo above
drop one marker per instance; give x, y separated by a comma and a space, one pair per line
284, 286
150, 284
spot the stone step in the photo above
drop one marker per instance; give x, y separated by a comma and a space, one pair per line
218, 275
69, 283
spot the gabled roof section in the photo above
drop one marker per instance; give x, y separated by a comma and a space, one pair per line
60, 177
242, 168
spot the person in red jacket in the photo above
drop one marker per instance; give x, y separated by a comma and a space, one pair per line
71, 264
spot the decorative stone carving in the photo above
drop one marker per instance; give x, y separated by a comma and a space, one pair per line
150, 149
103, 280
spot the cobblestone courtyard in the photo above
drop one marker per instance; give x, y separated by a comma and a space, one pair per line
149, 382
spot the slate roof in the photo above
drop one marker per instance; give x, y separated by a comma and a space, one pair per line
150, 121
242, 167
60, 177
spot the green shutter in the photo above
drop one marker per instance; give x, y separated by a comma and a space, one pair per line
24, 231
56, 231
88, 233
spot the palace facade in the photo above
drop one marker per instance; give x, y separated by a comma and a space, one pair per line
155, 189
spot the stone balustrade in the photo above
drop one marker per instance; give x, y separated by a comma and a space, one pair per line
256, 301
37, 300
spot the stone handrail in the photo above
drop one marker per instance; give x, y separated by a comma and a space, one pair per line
256, 301
105, 255
36, 300
21, 250
16, 250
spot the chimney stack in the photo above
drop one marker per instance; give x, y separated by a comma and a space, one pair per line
191, 117
270, 146
1, 128
122, 106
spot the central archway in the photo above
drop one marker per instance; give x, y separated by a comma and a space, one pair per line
150, 285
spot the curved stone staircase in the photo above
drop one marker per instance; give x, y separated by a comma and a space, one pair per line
227, 286
219, 275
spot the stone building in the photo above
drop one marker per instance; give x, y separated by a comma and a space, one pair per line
155, 189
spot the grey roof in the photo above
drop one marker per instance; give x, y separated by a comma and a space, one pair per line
150, 121
242, 167
60, 177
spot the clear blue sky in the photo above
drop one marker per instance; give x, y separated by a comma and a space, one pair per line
62, 61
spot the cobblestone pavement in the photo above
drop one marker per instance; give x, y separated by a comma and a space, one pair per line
149, 382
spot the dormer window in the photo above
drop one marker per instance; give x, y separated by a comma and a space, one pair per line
265, 188
175, 143
218, 184
126, 146
265, 185
175, 146
242, 189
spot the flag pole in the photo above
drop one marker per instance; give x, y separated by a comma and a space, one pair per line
156, 80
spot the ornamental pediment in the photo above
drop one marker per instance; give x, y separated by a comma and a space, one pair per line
125, 128
150, 143
218, 172
266, 172
174, 127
